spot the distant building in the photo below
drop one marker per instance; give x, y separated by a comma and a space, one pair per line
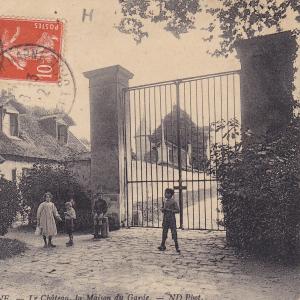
166, 152
142, 140
161, 145
27, 138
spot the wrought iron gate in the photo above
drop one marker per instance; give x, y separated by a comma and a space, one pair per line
169, 130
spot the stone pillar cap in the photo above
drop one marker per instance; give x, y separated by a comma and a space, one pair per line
111, 71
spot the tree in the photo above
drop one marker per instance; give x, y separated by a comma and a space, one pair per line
53, 178
235, 19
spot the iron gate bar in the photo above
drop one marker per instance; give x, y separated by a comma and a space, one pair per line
149, 106
151, 153
210, 189
202, 114
197, 114
215, 122
145, 144
233, 83
129, 110
227, 106
221, 90
186, 169
191, 141
172, 134
147, 170
186, 156
185, 134
156, 156
215, 135
142, 186
123, 103
161, 149
136, 142
179, 155
170, 181
166, 135
136, 164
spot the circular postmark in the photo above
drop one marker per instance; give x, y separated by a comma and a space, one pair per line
46, 79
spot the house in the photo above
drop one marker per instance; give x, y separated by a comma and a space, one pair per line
26, 138
165, 152
161, 151
161, 145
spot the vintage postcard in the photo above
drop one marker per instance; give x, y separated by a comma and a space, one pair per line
149, 149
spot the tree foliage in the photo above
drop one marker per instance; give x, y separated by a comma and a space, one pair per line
9, 204
56, 179
235, 19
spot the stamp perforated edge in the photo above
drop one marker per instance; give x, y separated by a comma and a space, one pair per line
39, 84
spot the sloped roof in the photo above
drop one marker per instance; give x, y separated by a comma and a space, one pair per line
9, 99
61, 118
34, 142
10, 108
192, 133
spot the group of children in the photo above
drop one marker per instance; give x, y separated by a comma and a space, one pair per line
99, 210
169, 209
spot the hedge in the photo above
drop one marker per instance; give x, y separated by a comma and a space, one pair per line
9, 204
260, 194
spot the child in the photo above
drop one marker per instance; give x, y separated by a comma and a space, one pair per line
70, 216
100, 209
169, 209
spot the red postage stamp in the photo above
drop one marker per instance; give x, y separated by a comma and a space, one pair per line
30, 49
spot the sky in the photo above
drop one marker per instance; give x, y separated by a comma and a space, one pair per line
96, 44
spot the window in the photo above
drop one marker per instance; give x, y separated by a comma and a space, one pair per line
14, 174
62, 134
14, 126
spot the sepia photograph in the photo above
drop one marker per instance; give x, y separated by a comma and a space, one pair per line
149, 149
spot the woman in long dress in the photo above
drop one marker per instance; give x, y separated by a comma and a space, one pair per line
46, 214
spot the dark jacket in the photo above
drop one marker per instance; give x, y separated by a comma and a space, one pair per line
170, 208
100, 207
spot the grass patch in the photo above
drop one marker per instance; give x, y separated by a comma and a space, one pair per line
9, 248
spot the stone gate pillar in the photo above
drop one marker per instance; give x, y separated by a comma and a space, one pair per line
266, 82
107, 153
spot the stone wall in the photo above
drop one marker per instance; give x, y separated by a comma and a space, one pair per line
81, 169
